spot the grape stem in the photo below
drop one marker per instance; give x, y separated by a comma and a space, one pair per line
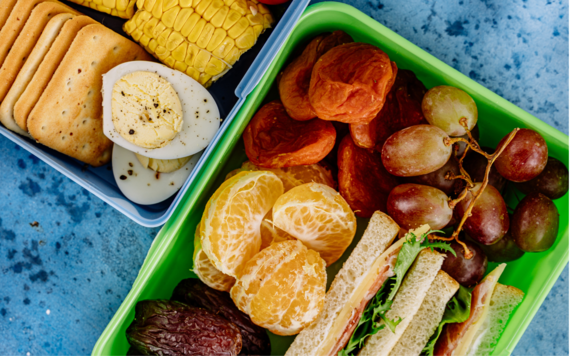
473, 145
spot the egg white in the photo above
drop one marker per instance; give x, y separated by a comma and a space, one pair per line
143, 185
200, 114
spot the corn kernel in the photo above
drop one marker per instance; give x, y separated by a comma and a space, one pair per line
170, 15
145, 16
174, 40
233, 56
136, 35
169, 61
215, 67
163, 37
217, 38
224, 48
205, 36
157, 9
193, 73
129, 26
149, 5
152, 45
202, 60
158, 30
246, 40
190, 24
144, 40
140, 4
104, 9
255, 20
196, 31
231, 19
220, 16
213, 9
186, 3
181, 66
240, 7
257, 30
161, 53
238, 28
180, 52
183, 15
201, 8
122, 5
169, 4
204, 78
191, 54
148, 27
109, 3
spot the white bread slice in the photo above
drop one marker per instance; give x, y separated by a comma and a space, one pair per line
379, 234
504, 300
427, 319
25, 75
406, 303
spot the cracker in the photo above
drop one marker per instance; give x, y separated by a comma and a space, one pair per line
69, 115
44, 43
14, 24
47, 68
26, 41
6, 7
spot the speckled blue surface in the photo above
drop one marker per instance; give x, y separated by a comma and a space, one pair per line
62, 280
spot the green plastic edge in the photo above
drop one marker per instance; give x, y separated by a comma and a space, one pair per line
173, 225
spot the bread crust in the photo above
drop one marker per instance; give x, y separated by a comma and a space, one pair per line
69, 114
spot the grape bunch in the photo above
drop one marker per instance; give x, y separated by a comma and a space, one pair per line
449, 181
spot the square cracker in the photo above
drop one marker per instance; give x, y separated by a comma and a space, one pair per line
69, 115
26, 41
47, 68
27, 71
14, 24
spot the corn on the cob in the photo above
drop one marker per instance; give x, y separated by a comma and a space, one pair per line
120, 8
202, 38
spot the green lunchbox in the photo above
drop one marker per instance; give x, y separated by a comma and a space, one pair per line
170, 258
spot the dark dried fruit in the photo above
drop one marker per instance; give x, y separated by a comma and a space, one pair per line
163, 327
403, 108
350, 82
193, 292
362, 179
274, 140
295, 80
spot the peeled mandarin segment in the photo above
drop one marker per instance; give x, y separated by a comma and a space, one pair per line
212, 25
206, 271
230, 227
318, 216
282, 287
293, 176
272, 234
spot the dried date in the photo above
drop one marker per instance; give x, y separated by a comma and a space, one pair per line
193, 292
163, 327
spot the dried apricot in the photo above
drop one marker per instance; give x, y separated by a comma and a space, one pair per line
295, 79
350, 82
318, 216
282, 288
229, 230
403, 108
274, 140
363, 180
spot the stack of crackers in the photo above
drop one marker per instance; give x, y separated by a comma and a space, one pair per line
52, 60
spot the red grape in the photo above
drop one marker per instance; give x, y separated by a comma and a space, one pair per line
437, 179
524, 158
504, 250
476, 164
466, 272
535, 223
416, 150
413, 205
444, 106
489, 220
552, 182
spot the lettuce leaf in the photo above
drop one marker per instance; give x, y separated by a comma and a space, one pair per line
374, 318
457, 310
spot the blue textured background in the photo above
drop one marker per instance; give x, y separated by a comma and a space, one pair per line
62, 281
